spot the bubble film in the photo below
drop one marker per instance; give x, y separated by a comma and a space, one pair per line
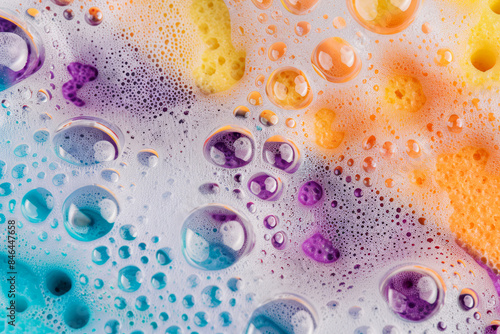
259, 166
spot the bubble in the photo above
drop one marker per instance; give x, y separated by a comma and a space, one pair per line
3, 168
384, 16
148, 158
443, 57
112, 327
130, 278
230, 147
19, 171
300, 7
6, 189
59, 179
455, 124
110, 175
98, 283
173, 330
163, 316
288, 88
271, 221
388, 150
58, 283
414, 293
225, 319
76, 315
90, 212
215, 237
159, 281
310, 193
84, 141
128, 232
211, 296
468, 299
22, 150
69, 14
62, 2
413, 149
124, 252
262, 4
276, 51
163, 256
335, 60
41, 136
94, 16
283, 314
302, 28
281, 153
279, 240
268, 118
188, 301
389, 329
142, 303
320, 249
193, 281
100, 255
120, 303
265, 186
241, 111
201, 319
369, 165
254, 98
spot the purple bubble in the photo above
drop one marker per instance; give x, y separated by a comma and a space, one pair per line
270, 222
358, 192
414, 293
320, 249
334, 204
265, 186
281, 153
229, 147
279, 240
310, 193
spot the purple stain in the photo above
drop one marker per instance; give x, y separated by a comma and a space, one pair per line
334, 204
358, 192
348, 179
492, 329
310, 193
494, 278
320, 249
81, 75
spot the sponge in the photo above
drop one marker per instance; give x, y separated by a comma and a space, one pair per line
323, 129
405, 93
222, 66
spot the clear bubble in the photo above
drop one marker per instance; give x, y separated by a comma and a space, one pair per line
148, 158
90, 212
84, 141
215, 237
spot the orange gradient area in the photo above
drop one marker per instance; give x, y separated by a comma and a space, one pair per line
475, 197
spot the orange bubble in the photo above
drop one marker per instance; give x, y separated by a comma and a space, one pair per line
369, 142
302, 28
290, 122
455, 124
384, 16
268, 117
262, 4
335, 60
276, 51
339, 23
271, 30
369, 165
259, 81
444, 57
254, 98
387, 150
288, 88
413, 149
299, 7
389, 183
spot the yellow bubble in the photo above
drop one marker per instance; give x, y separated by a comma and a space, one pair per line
241, 111
384, 16
267, 117
335, 60
254, 98
288, 88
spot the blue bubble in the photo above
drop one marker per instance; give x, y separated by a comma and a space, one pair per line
100, 255
22, 150
60, 179
120, 303
163, 256
225, 319
3, 168
124, 252
37, 204
6, 189
173, 330
128, 232
211, 296
19, 171
159, 281
200, 319
112, 327
188, 301
142, 303
41, 136
130, 278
